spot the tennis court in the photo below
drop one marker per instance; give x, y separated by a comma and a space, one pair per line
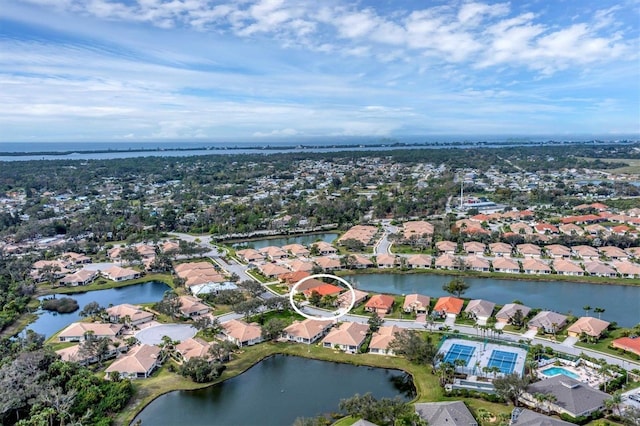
505, 361
459, 351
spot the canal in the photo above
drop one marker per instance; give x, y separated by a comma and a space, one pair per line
276, 391
305, 240
48, 323
621, 303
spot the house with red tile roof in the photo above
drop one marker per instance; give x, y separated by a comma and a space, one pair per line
571, 229
298, 265
416, 303
417, 229
567, 267
349, 336
296, 249
273, 253
345, 298
446, 261
546, 228
626, 268
271, 270
138, 363
584, 219
328, 264
591, 326
324, 248
521, 228
419, 261
448, 306
613, 253
133, 315
585, 252
447, 246
476, 263
191, 306
249, 255
81, 277
362, 233
599, 269
193, 347
500, 249
535, 266
474, 248
116, 273
362, 262
380, 303
558, 251
290, 278
628, 344
506, 266
323, 290
307, 331
387, 260
241, 333
380, 340
79, 331
529, 250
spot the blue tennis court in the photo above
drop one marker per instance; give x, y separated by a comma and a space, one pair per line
458, 351
505, 361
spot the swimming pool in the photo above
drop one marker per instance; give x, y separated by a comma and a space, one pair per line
554, 371
458, 351
504, 360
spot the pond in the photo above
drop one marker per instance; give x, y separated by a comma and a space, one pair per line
622, 303
305, 240
48, 323
276, 391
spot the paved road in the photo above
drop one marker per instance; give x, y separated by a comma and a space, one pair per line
383, 245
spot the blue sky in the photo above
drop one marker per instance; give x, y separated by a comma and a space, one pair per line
118, 70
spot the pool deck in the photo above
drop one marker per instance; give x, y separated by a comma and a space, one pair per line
585, 373
482, 354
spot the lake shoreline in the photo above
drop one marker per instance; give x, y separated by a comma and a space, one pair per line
287, 349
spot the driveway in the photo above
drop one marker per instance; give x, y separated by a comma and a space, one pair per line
569, 341
153, 335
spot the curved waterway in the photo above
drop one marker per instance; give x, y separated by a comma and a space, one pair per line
621, 303
305, 240
276, 391
48, 323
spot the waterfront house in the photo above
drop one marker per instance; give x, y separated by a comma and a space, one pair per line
627, 269
479, 264
362, 233
74, 354
593, 327
447, 261
241, 333
132, 315
362, 262
80, 331
380, 340
307, 331
417, 303
380, 303
548, 321
81, 277
191, 306
249, 255
387, 261
480, 310
450, 413
419, 261
349, 336
535, 266
567, 267
116, 273
273, 253
138, 363
570, 396
448, 306
628, 344
344, 300
599, 269
505, 265
297, 250
507, 312
324, 248
193, 347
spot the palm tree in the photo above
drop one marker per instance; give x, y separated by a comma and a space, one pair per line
614, 403
599, 311
483, 415
586, 308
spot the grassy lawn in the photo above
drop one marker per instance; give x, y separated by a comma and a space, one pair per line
603, 346
280, 289
259, 277
633, 165
287, 316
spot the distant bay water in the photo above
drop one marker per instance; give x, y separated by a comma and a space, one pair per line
25, 151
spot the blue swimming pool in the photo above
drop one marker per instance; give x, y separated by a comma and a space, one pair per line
554, 371
458, 351
504, 360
